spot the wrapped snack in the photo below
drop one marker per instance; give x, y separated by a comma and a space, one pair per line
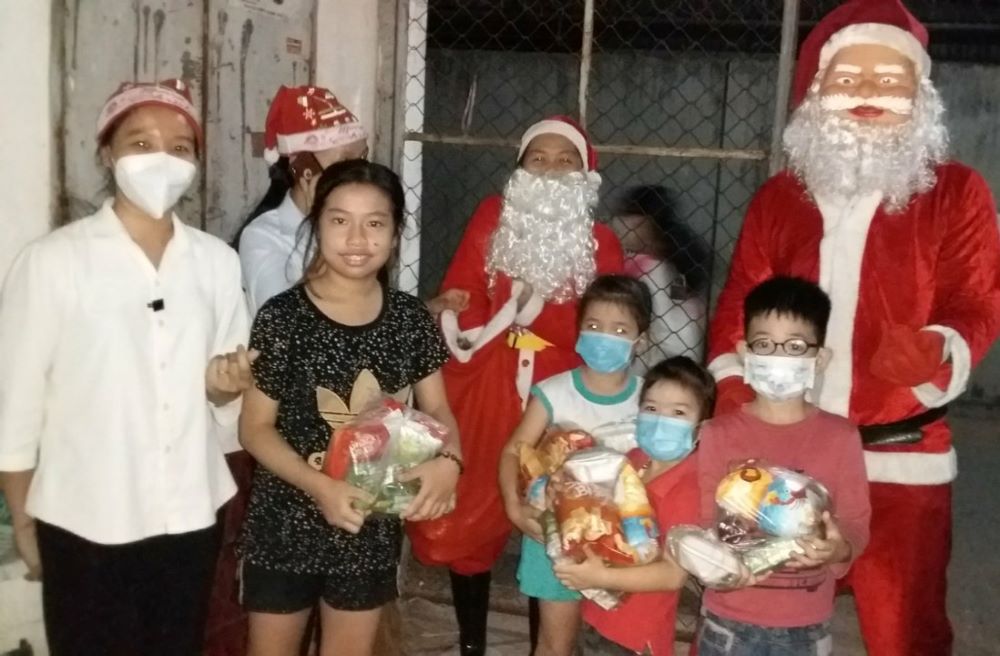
599, 500
617, 435
538, 463
700, 552
371, 451
553, 548
763, 509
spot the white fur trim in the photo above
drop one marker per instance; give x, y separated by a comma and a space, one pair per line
525, 374
530, 311
479, 336
877, 34
563, 129
909, 468
271, 155
321, 139
845, 231
726, 365
957, 349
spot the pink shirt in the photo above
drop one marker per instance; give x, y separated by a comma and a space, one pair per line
824, 446
646, 619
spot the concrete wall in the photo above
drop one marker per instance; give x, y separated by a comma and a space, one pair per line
26, 130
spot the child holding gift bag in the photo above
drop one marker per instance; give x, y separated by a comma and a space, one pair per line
614, 316
676, 397
341, 339
789, 610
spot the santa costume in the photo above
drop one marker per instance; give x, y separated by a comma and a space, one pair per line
905, 242
508, 338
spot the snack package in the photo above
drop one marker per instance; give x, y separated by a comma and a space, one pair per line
598, 501
762, 510
617, 435
538, 463
758, 502
383, 441
704, 556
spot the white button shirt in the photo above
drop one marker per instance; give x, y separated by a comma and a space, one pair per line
272, 252
103, 396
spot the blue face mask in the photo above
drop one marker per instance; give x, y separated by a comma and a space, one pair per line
604, 353
664, 438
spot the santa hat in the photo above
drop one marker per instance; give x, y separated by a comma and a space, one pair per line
172, 93
870, 22
564, 126
308, 119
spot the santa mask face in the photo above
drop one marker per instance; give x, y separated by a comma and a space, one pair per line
868, 83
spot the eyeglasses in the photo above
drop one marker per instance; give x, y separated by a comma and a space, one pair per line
794, 347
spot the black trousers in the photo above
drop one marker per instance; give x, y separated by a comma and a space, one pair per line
146, 598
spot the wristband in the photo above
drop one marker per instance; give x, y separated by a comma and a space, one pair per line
455, 459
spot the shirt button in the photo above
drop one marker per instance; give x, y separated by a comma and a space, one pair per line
166, 406
161, 323
166, 449
525, 363
163, 366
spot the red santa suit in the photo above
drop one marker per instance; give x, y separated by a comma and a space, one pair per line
487, 387
498, 354
935, 266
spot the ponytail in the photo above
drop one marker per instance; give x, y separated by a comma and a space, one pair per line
281, 181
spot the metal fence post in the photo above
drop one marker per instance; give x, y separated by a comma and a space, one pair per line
786, 66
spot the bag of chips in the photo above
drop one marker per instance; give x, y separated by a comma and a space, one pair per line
383, 441
539, 462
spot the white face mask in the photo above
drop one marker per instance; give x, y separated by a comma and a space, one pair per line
154, 181
779, 377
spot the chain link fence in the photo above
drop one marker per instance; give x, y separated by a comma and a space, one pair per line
679, 99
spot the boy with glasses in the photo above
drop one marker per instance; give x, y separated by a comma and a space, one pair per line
789, 610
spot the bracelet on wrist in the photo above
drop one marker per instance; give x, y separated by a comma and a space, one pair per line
454, 458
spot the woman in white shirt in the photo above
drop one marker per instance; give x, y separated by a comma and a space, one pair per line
675, 263
307, 130
121, 343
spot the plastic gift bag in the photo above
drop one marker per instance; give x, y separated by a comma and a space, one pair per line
539, 462
599, 502
617, 435
383, 441
711, 561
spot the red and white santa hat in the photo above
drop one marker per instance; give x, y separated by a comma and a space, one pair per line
172, 93
308, 119
871, 22
564, 126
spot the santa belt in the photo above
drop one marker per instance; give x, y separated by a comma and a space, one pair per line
905, 431
522, 339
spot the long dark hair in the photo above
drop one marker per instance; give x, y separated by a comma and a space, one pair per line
281, 181
684, 249
357, 171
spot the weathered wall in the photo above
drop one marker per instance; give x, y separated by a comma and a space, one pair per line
26, 125
233, 53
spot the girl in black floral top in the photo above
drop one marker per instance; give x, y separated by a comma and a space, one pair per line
332, 344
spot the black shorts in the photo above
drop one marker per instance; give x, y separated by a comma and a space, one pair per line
364, 577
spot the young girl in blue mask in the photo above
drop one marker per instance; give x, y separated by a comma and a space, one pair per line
676, 396
614, 314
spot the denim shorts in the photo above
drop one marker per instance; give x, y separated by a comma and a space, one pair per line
722, 637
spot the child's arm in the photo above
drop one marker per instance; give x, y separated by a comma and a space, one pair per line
658, 576
261, 439
439, 476
529, 431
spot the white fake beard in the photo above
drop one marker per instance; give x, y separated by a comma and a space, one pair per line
835, 156
545, 236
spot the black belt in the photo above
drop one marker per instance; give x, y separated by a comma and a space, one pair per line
906, 431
